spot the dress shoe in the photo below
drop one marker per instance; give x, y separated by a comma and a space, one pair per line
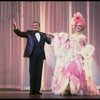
35, 93
39, 93
31, 93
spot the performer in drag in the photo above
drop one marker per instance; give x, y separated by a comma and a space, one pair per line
72, 74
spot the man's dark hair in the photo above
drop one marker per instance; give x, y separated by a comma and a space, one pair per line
36, 22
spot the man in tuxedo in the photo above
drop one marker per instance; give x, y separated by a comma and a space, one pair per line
35, 52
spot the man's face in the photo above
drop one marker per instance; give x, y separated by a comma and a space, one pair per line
35, 27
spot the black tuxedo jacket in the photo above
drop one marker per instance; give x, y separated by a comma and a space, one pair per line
31, 40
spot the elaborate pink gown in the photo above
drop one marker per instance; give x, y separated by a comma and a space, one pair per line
72, 72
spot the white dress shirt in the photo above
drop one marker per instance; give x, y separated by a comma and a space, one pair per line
37, 36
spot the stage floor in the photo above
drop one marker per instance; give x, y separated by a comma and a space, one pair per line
12, 94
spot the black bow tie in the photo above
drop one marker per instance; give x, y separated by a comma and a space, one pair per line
36, 32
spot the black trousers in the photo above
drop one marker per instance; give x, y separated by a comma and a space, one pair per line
35, 71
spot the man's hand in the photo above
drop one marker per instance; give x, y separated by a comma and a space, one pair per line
50, 35
14, 24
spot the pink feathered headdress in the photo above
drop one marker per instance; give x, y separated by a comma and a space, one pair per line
78, 18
